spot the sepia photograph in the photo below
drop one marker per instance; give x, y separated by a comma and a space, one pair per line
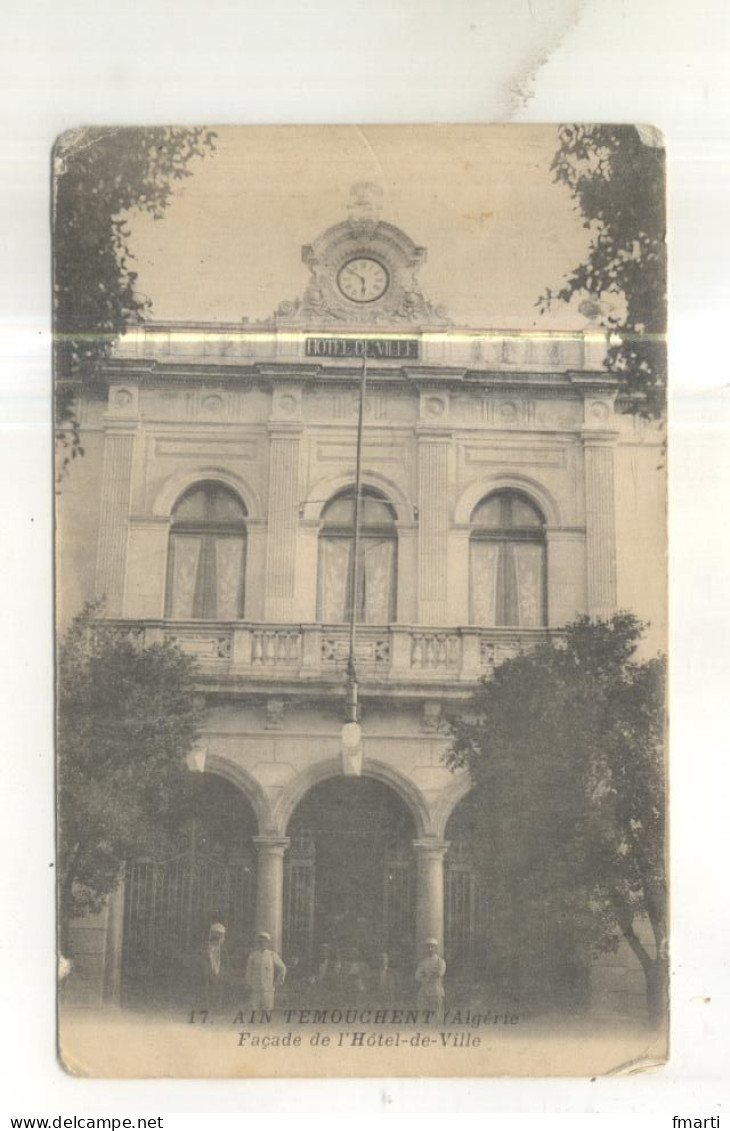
361, 600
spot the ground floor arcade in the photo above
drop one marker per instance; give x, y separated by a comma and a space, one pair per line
282, 841
349, 871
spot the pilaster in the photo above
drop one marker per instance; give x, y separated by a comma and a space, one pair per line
600, 524
284, 440
433, 480
116, 481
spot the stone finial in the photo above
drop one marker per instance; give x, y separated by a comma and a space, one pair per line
365, 201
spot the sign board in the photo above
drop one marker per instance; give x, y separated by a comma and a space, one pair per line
374, 349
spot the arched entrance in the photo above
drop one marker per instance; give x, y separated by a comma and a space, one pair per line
202, 873
350, 872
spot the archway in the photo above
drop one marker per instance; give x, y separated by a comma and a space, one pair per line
200, 872
350, 874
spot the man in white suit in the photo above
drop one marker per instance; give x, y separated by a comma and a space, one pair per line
264, 972
430, 977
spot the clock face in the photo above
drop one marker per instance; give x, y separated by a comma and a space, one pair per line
362, 279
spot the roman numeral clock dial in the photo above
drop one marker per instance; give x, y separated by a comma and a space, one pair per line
363, 279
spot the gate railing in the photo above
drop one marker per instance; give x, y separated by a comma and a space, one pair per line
170, 904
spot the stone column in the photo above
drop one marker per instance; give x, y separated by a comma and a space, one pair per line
114, 943
116, 478
433, 455
283, 520
429, 890
600, 525
270, 886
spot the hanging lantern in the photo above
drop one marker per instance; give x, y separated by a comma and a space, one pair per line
195, 760
351, 750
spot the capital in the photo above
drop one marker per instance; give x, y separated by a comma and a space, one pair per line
271, 845
428, 849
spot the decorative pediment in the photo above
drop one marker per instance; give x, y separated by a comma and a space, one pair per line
363, 272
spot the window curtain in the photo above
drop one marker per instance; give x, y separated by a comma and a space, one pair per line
529, 559
376, 581
507, 584
334, 573
484, 568
229, 577
186, 559
206, 577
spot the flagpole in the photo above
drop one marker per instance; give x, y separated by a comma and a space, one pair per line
355, 566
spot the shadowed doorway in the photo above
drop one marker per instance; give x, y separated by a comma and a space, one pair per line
350, 879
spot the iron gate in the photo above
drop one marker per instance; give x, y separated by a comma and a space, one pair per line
299, 898
461, 911
169, 906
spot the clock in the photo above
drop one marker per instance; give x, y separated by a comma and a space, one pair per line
363, 279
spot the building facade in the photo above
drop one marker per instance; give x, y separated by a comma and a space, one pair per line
502, 496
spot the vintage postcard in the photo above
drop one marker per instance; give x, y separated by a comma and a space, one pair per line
361, 562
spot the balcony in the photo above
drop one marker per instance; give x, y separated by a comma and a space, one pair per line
394, 654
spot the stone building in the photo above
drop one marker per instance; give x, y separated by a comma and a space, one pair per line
502, 496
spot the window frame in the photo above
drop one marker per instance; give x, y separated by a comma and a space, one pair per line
504, 535
374, 532
206, 591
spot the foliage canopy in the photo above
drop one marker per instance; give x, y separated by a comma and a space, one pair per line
565, 746
102, 174
616, 176
127, 717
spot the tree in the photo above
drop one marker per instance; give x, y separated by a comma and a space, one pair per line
127, 717
100, 176
565, 746
616, 176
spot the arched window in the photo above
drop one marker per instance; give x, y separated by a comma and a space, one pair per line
508, 562
206, 563
375, 599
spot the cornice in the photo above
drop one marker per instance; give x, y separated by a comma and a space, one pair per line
266, 374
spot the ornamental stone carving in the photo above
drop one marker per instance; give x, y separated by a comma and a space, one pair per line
431, 715
363, 272
123, 400
274, 713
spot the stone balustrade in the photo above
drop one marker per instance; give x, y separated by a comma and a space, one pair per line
396, 653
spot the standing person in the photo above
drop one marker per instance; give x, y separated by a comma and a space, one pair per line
215, 966
323, 975
355, 975
264, 972
429, 975
384, 981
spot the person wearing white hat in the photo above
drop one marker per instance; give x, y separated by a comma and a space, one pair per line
429, 975
215, 965
264, 972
